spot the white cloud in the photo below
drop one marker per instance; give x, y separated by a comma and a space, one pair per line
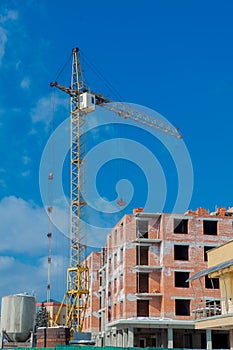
24, 244
26, 160
3, 183
58, 263
6, 262
43, 111
9, 16
32, 278
23, 226
26, 173
27, 278
25, 83
3, 41
32, 132
18, 64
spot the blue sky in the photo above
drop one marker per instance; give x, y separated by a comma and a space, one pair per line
174, 57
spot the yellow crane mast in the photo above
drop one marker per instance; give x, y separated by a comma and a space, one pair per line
82, 101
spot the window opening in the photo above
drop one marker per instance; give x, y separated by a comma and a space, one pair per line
182, 307
142, 255
142, 229
143, 282
181, 252
181, 279
210, 227
180, 226
142, 308
211, 283
206, 248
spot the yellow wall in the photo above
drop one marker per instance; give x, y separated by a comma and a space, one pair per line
217, 256
226, 287
53, 310
221, 254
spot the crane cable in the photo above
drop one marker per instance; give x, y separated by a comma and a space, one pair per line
61, 70
100, 75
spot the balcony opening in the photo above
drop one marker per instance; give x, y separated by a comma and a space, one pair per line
213, 307
121, 254
121, 309
142, 282
180, 226
181, 252
182, 307
206, 248
213, 303
142, 229
181, 278
142, 255
109, 314
210, 227
142, 308
211, 283
115, 286
115, 237
104, 256
100, 280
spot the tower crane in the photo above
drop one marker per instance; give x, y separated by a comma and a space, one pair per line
82, 102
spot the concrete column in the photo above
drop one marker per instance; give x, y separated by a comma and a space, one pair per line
170, 338
119, 339
208, 339
131, 338
113, 339
231, 339
107, 339
104, 339
125, 338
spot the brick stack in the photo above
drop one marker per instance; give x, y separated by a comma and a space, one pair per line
222, 212
49, 337
202, 212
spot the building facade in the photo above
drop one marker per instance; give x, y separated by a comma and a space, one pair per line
53, 308
220, 266
141, 295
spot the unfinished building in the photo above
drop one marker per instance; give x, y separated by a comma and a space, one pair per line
140, 295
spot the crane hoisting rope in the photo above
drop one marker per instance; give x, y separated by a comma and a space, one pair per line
100, 75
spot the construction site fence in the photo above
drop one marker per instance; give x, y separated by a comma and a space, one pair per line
86, 347
70, 347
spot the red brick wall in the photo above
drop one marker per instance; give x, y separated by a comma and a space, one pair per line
121, 278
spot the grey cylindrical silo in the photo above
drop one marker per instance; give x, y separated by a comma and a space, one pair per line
18, 315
